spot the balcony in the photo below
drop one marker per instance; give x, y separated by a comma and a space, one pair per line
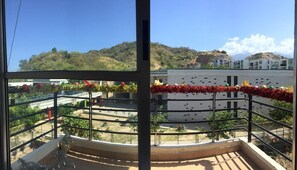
108, 136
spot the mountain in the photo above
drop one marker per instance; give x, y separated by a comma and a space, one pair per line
241, 56
118, 57
265, 55
207, 57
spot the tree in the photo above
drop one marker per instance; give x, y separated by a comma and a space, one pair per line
24, 64
155, 125
54, 50
221, 125
22, 110
281, 115
155, 119
180, 128
65, 110
78, 127
133, 118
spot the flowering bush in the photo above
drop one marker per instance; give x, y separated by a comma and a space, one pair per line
274, 93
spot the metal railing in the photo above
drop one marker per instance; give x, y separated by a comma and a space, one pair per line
252, 124
155, 102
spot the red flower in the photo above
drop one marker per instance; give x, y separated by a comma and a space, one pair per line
39, 86
277, 94
25, 88
122, 84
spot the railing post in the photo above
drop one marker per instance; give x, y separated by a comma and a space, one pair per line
154, 114
55, 115
4, 103
250, 107
90, 115
213, 116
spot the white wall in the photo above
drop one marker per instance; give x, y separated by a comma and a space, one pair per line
274, 78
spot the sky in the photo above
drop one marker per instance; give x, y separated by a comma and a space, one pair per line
236, 26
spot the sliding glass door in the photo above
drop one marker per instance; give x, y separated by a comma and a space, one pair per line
83, 42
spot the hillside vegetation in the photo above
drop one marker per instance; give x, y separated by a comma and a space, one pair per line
123, 57
265, 55
119, 57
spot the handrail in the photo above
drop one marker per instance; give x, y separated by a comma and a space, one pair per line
285, 140
272, 148
31, 101
274, 121
25, 116
275, 107
245, 126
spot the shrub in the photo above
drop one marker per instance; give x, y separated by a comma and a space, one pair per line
282, 115
221, 125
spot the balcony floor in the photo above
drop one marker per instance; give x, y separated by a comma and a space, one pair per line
231, 160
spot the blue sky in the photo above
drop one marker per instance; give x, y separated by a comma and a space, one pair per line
237, 26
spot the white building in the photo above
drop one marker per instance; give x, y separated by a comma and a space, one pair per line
274, 78
222, 63
50, 81
240, 64
263, 64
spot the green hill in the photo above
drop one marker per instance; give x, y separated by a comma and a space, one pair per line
265, 55
118, 57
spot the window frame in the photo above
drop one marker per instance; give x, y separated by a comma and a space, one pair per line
141, 76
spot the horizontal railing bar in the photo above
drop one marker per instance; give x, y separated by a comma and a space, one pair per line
29, 128
243, 128
196, 133
285, 140
23, 144
120, 110
103, 131
209, 99
74, 127
230, 99
120, 99
202, 121
124, 121
275, 107
29, 115
74, 107
32, 101
75, 117
135, 110
206, 110
115, 121
239, 108
152, 133
112, 132
272, 148
74, 97
275, 121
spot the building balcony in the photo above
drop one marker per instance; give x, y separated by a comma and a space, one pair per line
104, 133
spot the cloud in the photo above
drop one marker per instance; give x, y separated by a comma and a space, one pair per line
258, 43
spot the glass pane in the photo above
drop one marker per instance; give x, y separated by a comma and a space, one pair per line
100, 116
71, 35
207, 59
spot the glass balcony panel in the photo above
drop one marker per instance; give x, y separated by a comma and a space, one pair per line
90, 111
68, 35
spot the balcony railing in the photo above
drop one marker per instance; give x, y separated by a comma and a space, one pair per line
244, 124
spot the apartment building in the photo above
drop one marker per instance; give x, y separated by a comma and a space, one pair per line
210, 77
222, 63
263, 64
